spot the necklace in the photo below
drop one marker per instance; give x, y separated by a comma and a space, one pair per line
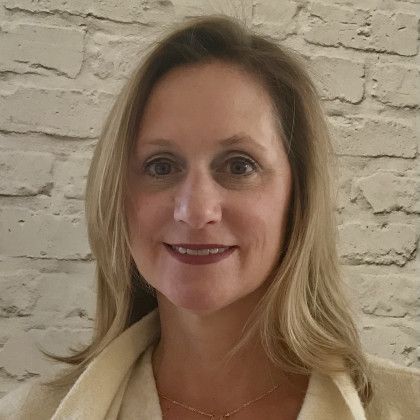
214, 416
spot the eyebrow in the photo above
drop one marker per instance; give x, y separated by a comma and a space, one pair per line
234, 140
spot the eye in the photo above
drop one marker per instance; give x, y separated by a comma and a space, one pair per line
162, 167
240, 164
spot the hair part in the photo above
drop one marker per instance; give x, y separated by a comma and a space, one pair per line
304, 321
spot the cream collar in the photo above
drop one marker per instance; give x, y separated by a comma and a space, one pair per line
98, 392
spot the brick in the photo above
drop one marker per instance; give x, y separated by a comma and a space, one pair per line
393, 339
70, 6
66, 296
51, 47
17, 347
72, 113
25, 173
328, 25
275, 18
399, 295
63, 295
349, 167
7, 383
18, 294
123, 11
362, 136
20, 354
394, 33
376, 244
70, 176
150, 12
329, 73
396, 85
23, 233
389, 191
180, 9
111, 56
9, 326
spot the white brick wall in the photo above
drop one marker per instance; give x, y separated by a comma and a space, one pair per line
61, 64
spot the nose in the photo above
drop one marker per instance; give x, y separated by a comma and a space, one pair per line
197, 200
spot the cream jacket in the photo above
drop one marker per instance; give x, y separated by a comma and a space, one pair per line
119, 384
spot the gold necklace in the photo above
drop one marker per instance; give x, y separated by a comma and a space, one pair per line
214, 416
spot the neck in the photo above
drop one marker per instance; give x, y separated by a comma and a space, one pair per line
189, 360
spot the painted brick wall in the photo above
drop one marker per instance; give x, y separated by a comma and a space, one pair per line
61, 65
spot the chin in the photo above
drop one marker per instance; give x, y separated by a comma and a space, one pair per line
196, 303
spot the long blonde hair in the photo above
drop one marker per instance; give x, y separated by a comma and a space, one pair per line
304, 320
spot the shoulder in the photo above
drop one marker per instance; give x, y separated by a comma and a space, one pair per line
32, 400
395, 390
388, 373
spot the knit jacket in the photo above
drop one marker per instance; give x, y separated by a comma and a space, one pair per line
119, 385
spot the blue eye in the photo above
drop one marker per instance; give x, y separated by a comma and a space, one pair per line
159, 168
243, 162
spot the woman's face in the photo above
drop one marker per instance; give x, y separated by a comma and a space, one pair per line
188, 184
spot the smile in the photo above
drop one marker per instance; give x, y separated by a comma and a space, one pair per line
199, 256
205, 251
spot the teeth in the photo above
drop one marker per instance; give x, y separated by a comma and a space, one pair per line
182, 250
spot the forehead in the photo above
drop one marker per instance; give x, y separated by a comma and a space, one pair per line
207, 101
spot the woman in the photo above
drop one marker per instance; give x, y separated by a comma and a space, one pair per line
210, 215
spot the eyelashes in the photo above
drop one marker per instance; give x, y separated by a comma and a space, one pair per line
154, 167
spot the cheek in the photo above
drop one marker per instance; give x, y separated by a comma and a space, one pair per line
146, 216
265, 218
250, 218
138, 217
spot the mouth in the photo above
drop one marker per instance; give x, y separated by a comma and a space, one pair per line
199, 254
200, 249
200, 246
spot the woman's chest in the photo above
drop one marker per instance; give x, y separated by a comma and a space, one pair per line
268, 410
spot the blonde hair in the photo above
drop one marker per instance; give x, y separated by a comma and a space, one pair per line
304, 320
